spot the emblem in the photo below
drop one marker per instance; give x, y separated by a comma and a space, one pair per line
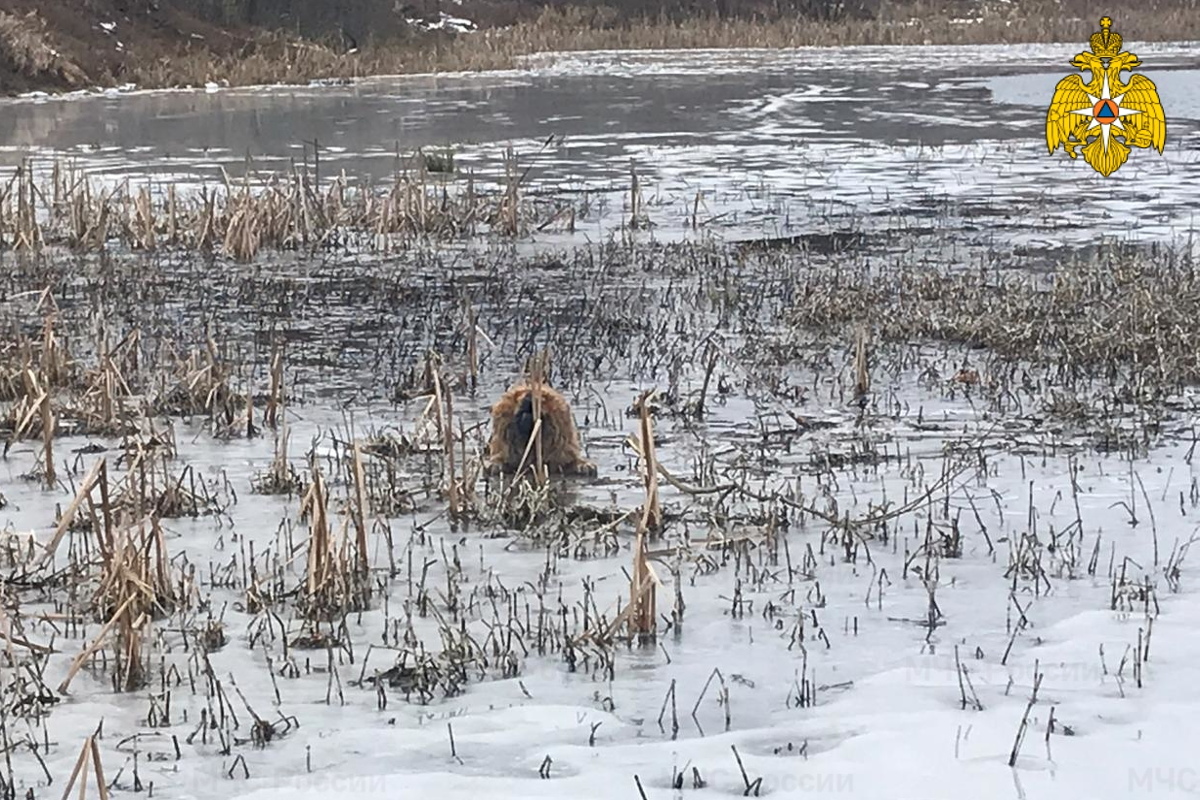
1105, 117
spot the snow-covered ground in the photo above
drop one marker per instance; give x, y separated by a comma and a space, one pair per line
887, 719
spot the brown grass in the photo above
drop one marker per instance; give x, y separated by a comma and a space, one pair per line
24, 49
290, 210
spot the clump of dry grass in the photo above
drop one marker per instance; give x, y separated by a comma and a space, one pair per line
1103, 315
337, 578
297, 210
270, 58
25, 51
135, 583
108, 405
136, 587
201, 385
148, 487
281, 477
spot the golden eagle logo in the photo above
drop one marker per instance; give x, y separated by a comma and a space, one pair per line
1105, 116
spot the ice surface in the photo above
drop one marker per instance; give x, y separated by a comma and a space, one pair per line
887, 723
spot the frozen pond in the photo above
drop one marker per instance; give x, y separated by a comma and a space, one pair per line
1176, 87
856, 599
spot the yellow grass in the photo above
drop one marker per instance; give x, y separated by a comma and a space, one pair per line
280, 211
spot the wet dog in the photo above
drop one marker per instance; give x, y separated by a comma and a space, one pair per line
512, 427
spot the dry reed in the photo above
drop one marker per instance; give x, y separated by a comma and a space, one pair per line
241, 219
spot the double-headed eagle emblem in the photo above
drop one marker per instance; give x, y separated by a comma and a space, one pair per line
1105, 117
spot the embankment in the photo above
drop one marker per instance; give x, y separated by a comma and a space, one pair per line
60, 45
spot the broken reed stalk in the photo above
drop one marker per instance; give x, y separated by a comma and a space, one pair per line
862, 374
640, 615
48, 437
250, 429
88, 761
130, 672
635, 196
361, 507
537, 379
710, 364
1021, 729
279, 478
28, 231
472, 347
445, 422
54, 359
275, 395
510, 206
644, 581
315, 505
49, 372
96, 644
85, 489
643, 594
651, 520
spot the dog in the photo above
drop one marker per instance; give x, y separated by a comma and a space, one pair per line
512, 427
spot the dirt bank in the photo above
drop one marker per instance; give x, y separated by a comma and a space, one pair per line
68, 44
56, 45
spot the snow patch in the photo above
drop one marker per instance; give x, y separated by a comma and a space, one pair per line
444, 22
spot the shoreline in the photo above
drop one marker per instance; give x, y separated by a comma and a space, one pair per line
38, 63
541, 62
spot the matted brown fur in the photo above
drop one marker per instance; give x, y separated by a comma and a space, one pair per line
512, 423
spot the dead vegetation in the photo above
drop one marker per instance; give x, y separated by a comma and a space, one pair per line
25, 52
296, 211
365, 561
49, 48
1115, 326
